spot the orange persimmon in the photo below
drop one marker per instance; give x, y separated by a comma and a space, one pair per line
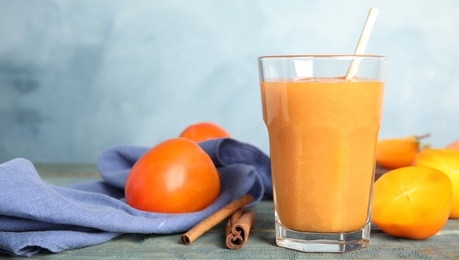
397, 152
204, 131
453, 146
446, 161
412, 202
175, 176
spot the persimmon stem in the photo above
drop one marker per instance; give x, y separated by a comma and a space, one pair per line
420, 145
419, 137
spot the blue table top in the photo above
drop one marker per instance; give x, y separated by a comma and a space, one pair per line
261, 242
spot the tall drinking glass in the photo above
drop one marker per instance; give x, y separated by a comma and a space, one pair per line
323, 130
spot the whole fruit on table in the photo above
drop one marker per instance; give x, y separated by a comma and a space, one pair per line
453, 146
446, 161
176, 176
204, 131
394, 153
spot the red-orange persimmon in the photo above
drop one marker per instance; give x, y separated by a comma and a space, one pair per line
204, 131
176, 176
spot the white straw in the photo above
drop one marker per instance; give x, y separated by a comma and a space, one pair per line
362, 44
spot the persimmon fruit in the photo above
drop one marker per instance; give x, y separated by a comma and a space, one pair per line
446, 161
204, 131
176, 176
412, 202
453, 146
394, 153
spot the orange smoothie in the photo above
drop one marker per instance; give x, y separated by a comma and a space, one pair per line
322, 134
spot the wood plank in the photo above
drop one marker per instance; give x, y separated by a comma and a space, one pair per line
261, 243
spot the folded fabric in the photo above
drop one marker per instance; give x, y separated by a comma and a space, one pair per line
37, 216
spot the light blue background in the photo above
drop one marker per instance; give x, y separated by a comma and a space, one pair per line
77, 77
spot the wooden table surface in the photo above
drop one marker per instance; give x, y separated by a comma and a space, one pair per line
261, 243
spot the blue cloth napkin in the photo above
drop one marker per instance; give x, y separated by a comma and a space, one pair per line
37, 216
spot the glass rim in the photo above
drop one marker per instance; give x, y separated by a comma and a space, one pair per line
323, 56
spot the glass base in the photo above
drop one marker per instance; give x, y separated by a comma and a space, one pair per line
322, 242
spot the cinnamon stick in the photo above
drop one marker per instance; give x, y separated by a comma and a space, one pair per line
238, 228
215, 218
